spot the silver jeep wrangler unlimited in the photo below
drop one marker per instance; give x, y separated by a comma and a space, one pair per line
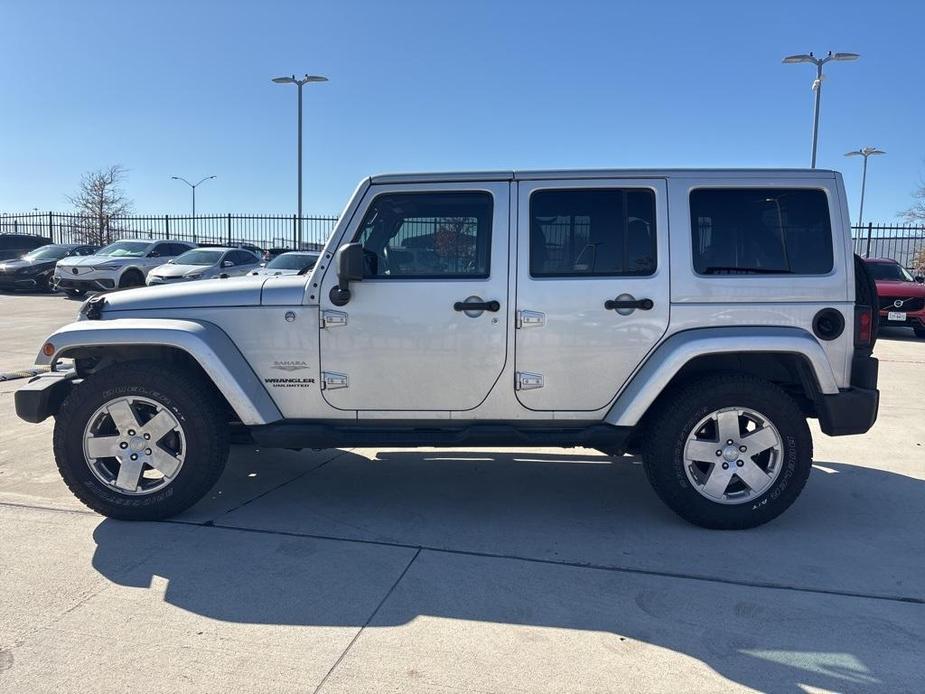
696, 318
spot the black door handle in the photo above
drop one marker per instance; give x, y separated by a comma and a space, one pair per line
644, 304
492, 306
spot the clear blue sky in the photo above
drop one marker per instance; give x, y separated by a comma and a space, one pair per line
183, 88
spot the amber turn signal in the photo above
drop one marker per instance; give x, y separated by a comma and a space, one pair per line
48, 349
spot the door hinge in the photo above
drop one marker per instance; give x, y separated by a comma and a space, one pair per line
524, 380
333, 319
333, 381
531, 319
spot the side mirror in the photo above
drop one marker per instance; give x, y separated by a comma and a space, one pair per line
154, 254
920, 279
349, 269
227, 263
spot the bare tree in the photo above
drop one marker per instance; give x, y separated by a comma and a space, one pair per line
916, 213
99, 198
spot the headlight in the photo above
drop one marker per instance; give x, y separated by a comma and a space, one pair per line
107, 267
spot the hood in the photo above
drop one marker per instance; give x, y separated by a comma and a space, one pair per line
14, 264
90, 260
902, 289
271, 272
173, 270
239, 291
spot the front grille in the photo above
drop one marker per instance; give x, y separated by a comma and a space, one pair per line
887, 303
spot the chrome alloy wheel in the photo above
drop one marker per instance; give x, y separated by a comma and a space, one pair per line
733, 455
134, 445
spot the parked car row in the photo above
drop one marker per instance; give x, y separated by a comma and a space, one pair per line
75, 269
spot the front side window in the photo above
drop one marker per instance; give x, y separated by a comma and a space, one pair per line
761, 231
606, 232
427, 235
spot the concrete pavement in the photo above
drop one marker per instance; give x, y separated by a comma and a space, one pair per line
480, 570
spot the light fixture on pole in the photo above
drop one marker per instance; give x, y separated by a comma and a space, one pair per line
866, 152
299, 83
817, 84
193, 186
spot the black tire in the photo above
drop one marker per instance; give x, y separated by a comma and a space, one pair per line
666, 437
191, 401
75, 293
919, 332
132, 278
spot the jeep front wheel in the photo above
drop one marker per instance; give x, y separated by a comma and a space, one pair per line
728, 452
139, 442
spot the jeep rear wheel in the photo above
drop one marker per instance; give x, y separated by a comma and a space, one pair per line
728, 452
138, 442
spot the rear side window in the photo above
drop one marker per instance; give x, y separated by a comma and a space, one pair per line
758, 231
427, 235
592, 233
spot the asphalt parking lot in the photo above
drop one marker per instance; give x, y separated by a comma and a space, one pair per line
478, 570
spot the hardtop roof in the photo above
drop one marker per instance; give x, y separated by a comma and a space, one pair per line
513, 175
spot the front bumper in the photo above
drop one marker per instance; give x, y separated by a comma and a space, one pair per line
100, 284
157, 279
42, 396
21, 281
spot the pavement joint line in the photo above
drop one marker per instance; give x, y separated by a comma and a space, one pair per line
369, 620
302, 474
514, 557
907, 600
577, 565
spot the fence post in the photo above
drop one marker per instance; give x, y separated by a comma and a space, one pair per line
229, 228
870, 227
51, 230
166, 226
295, 232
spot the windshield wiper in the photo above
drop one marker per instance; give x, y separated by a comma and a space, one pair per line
744, 270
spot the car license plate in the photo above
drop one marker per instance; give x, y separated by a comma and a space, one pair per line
896, 315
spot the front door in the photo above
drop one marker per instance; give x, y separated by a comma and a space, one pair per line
592, 287
426, 328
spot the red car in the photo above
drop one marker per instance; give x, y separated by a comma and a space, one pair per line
902, 297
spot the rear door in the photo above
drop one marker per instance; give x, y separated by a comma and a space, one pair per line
592, 287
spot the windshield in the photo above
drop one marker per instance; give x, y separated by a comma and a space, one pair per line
198, 257
125, 249
889, 271
292, 261
50, 252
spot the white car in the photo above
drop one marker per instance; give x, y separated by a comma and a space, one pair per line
291, 263
204, 263
119, 265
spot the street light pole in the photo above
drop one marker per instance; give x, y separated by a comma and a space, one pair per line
817, 85
299, 83
866, 152
193, 186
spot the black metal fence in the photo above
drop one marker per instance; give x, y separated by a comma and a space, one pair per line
903, 243
266, 231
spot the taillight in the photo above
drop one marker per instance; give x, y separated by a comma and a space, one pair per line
863, 326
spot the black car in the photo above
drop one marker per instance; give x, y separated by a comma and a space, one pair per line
35, 269
15, 245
